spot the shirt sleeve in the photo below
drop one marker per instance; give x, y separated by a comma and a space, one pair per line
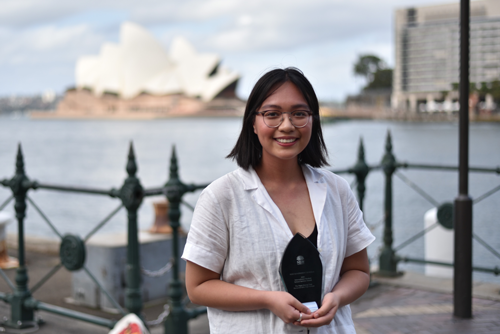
358, 235
207, 241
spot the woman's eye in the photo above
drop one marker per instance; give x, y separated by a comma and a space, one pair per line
300, 114
272, 114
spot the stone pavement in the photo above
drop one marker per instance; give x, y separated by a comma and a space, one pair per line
412, 303
390, 308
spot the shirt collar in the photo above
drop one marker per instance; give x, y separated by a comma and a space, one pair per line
312, 174
251, 180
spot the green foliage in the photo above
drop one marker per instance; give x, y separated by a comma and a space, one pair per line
381, 79
367, 65
374, 70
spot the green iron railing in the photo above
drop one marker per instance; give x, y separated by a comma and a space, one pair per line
72, 248
388, 258
131, 195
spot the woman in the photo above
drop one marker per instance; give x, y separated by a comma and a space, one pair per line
243, 221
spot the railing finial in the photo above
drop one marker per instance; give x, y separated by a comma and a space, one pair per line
131, 164
19, 160
388, 142
361, 150
173, 165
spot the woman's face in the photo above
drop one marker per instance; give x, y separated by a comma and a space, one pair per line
286, 141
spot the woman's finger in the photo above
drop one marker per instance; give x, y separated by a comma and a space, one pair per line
301, 307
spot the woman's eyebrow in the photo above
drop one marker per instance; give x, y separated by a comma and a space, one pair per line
275, 106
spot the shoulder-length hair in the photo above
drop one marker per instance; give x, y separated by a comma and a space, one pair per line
248, 150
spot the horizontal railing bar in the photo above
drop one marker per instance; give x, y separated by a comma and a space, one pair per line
444, 167
37, 305
199, 186
422, 261
163, 190
350, 170
495, 270
154, 191
342, 171
112, 192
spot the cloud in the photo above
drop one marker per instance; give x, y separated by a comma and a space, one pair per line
323, 37
47, 44
24, 13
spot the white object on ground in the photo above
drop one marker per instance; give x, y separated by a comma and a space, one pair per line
130, 323
439, 243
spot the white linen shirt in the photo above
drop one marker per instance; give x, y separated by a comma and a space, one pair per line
239, 232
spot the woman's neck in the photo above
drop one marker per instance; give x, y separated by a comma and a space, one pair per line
279, 172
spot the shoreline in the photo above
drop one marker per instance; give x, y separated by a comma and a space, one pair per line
327, 115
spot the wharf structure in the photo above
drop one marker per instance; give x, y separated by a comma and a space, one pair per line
426, 73
139, 79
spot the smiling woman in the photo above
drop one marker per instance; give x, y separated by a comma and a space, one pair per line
244, 220
279, 136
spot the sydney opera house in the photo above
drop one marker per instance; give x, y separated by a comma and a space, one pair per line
138, 78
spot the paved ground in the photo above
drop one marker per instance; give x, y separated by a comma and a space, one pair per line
412, 303
387, 309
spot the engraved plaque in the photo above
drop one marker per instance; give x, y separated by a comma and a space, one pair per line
302, 271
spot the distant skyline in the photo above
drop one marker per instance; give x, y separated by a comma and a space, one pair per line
41, 40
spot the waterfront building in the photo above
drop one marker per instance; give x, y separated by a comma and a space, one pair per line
139, 78
427, 57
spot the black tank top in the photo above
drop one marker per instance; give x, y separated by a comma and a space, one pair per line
314, 236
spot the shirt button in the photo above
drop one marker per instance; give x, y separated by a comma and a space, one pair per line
319, 250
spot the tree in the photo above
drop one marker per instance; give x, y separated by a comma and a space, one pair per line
381, 79
374, 70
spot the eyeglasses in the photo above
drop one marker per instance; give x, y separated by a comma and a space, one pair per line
273, 119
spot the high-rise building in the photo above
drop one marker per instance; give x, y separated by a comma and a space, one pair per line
427, 59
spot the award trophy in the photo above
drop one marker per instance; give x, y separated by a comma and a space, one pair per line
301, 271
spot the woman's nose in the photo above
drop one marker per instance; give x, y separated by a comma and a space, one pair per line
287, 123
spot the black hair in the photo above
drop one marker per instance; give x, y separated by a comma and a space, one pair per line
248, 150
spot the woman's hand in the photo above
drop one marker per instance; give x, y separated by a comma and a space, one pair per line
286, 307
324, 315
354, 280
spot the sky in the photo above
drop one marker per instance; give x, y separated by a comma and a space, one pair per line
41, 40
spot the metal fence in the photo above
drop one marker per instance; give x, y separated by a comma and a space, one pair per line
130, 196
390, 166
72, 248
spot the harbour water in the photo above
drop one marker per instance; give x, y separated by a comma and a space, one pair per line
93, 154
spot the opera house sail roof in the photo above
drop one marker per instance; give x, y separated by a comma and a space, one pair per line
139, 79
140, 64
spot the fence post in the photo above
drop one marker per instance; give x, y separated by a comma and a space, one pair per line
361, 171
177, 320
21, 317
387, 261
131, 195
462, 278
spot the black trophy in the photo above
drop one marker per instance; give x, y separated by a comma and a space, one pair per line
302, 271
